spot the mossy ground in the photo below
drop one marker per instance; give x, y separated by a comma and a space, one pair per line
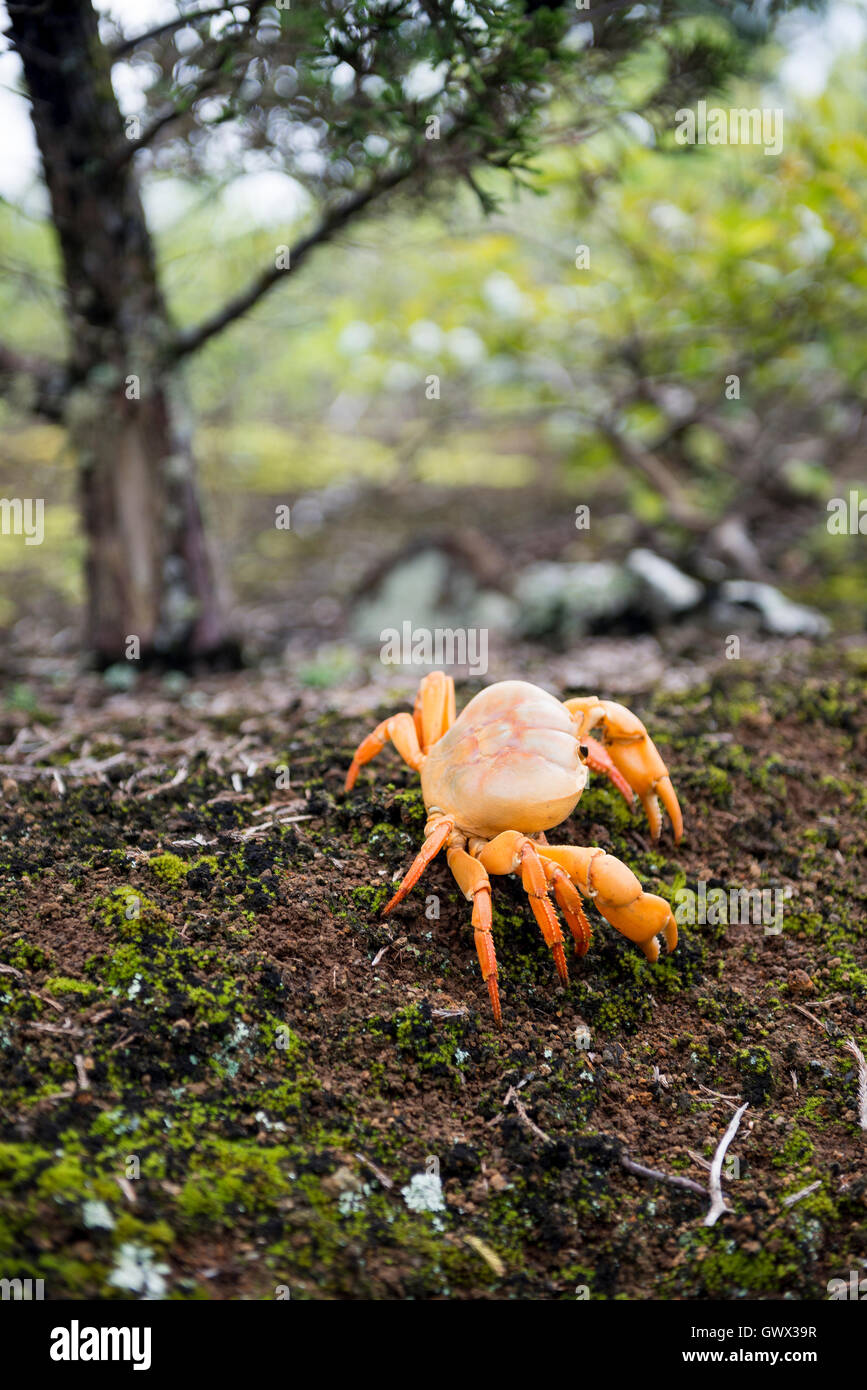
217, 1054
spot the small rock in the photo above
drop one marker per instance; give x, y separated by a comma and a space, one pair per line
666, 589
800, 982
436, 591
777, 614
343, 1180
565, 601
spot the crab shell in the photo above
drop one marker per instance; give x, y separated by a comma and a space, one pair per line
510, 761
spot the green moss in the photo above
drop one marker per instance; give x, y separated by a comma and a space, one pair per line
718, 785
370, 899
796, 1152
233, 1178
62, 984
129, 912
755, 1069
169, 868
734, 1273
24, 955
436, 1048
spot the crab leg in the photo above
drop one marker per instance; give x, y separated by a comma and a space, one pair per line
438, 831
401, 729
536, 887
618, 895
634, 755
570, 905
512, 853
600, 760
474, 883
434, 711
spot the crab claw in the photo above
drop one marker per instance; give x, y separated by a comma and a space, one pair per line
618, 895
634, 755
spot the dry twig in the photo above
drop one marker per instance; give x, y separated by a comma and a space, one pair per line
674, 1179
512, 1098
717, 1203
804, 1192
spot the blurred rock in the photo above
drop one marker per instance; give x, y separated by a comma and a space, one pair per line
666, 589
567, 600
770, 610
434, 588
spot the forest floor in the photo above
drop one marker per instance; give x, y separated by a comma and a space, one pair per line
225, 1076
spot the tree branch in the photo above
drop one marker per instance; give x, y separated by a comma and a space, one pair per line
125, 46
211, 77
646, 462
193, 338
33, 384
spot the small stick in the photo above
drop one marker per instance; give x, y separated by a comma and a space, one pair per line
717, 1205
804, 1192
512, 1098
697, 1158
179, 777
490, 1256
267, 824
673, 1178
46, 1000
55, 1028
390, 945
718, 1094
381, 1177
818, 1022
851, 1045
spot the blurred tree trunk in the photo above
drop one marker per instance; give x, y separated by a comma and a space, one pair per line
149, 573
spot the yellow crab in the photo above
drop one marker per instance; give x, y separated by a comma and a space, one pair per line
513, 765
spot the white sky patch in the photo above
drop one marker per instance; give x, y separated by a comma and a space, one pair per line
424, 81
377, 146
167, 201
343, 79
131, 81
466, 345
20, 165
639, 127
266, 199
815, 41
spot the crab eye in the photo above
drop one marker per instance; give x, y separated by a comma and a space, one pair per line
584, 751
